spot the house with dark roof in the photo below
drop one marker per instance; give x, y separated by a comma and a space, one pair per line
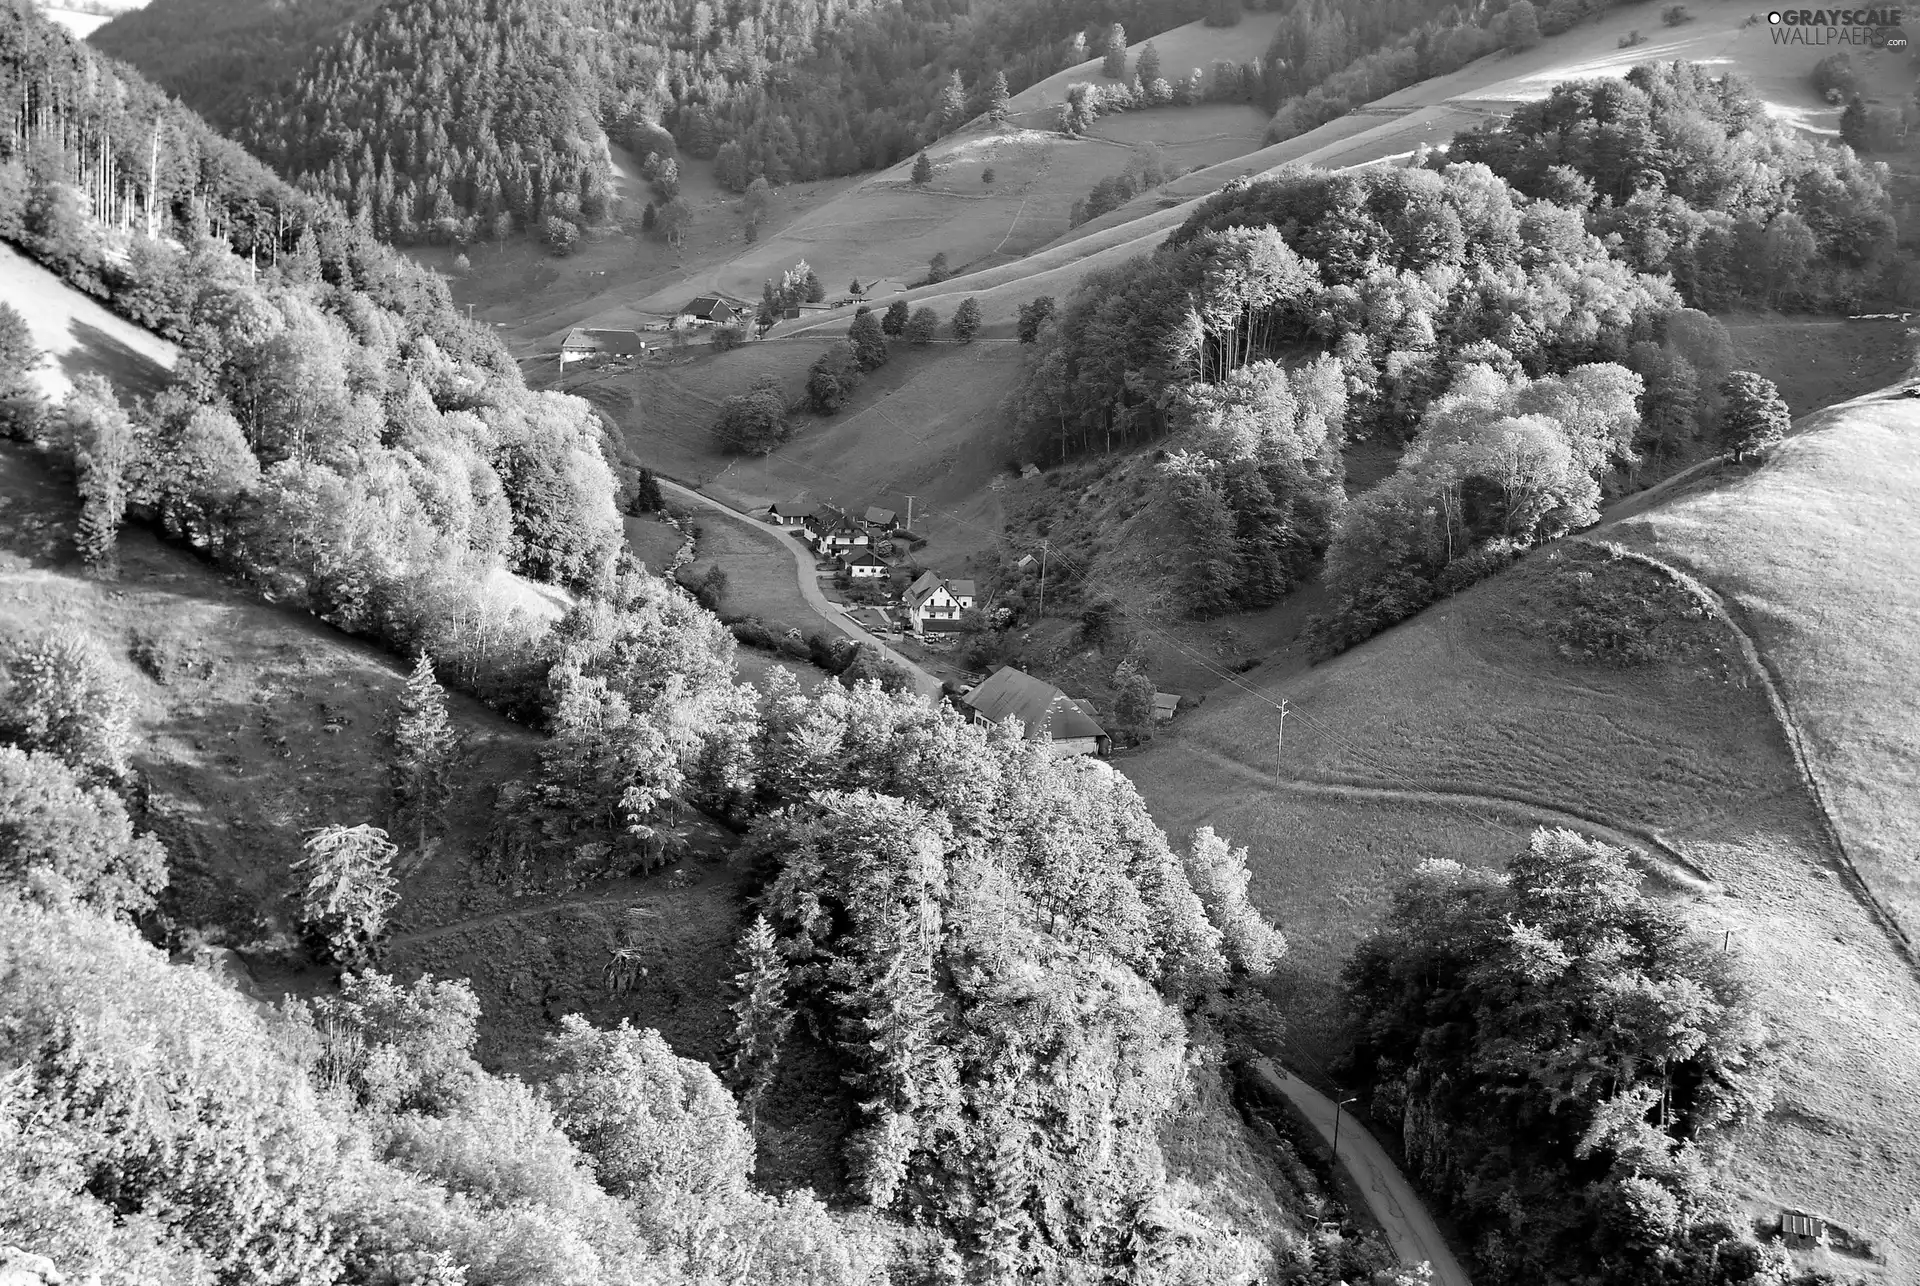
1044, 712
884, 519
928, 600
864, 564
710, 310
791, 513
962, 591
583, 342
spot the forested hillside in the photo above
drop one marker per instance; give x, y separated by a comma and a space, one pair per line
1020, 996
1524, 313
461, 122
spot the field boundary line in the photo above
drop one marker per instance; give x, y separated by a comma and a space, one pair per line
1775, 688
1657, 853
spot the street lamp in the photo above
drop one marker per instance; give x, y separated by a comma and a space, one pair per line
1336, 1125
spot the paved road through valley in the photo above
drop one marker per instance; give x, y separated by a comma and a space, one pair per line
924, 683
1410, 1229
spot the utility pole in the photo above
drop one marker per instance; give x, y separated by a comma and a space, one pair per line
1336, 1126
1284, 712
1043, 580
910, 500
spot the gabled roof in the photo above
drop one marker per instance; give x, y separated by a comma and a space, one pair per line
865, 558
923, 589
709, 308
1165, 703
793, 508
1045, 710
881, 516
960, 588
621, 343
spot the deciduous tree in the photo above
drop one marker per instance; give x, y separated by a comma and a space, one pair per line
923, 327
966, 320
1753, 415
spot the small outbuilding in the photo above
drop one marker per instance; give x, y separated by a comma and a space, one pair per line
1802, 1231
884, 519
1165, 706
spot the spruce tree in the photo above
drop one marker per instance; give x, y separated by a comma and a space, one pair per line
922, 170
351, 890
869, 342
1114, 66
997, 97
18, 353
423, 746
761, 1015
1147, 69
100, 436
953, 103
1853, 124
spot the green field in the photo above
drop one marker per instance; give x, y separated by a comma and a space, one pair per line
1445, 736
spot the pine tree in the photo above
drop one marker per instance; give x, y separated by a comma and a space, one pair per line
922, 170
100, 435
351, 892
1147, 69
1114, 66
18, 353
646, 493
997, 97
953, 103
761, 1016
423, 746
1853, 124
869, 342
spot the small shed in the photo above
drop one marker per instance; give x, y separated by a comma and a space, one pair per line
1030, 471
1801, 1231
1165, 705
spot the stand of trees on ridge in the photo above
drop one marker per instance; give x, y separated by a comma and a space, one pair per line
1538, 277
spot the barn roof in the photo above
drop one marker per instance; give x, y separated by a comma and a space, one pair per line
710, 308
1045, 710
620, 343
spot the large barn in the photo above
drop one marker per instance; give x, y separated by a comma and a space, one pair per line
583, 343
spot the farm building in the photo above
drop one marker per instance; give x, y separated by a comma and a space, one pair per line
1044, 711
582, 343
791, 513
1165, 706
884, 519
863, 564
710, 310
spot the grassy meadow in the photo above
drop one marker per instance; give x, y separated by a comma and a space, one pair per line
1451, 734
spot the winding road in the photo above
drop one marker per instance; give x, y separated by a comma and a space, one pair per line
830, 612
1410, 1230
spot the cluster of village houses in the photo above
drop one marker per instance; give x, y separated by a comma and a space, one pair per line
929, 604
